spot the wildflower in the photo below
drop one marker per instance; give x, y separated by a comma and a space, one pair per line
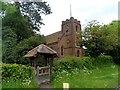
105, 84
113, 66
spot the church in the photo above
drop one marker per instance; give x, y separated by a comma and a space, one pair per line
67, 41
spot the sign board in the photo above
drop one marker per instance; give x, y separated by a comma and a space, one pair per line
66, 86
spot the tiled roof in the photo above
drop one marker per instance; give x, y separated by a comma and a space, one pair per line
53, 37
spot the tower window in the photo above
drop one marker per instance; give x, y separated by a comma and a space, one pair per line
76, 28
62, 28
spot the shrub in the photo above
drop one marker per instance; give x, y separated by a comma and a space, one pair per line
16, 72
70, 63
102, 60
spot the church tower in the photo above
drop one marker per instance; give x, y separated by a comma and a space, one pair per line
68, 41
71, 39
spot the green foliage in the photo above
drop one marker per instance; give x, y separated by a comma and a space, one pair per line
10, 84
34, 11
116, 54
18, 25
91, 39
114, 39
104, 77
16, 72
100, 61
14, 20
9, 40
100, 39
24, 46
69, 64
18, 76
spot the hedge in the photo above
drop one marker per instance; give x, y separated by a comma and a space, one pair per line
70, 63
103, 60
16, 72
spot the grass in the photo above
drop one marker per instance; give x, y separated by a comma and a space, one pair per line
105, 77
19, 84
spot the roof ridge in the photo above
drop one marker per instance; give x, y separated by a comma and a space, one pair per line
53, 33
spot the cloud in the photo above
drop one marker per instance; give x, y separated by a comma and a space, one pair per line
83, 10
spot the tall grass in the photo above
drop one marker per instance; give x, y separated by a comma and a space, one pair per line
105, 77
18, 84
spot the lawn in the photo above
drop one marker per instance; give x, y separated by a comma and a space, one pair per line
18, 84
105, 77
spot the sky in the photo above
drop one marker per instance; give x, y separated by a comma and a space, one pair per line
85, 11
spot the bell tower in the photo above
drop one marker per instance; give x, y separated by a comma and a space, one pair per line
72, 39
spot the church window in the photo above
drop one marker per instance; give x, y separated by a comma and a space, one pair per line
62, 51
62, 28
78, 52
76, 28
68, 41
67, 30
67, 26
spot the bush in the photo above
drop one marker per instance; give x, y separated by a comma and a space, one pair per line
16, 72
102, 60
71, 63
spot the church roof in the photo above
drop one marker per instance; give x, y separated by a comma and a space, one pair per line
53, 37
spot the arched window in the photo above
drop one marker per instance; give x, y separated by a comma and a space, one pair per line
62, 51
78, 53
76, 28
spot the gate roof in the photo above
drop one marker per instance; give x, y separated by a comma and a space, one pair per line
41, 49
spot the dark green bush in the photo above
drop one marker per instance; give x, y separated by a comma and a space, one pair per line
102, 60
17, 72
71, 63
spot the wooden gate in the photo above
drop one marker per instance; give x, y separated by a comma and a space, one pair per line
43, 74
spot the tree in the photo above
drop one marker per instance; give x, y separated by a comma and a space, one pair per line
24, 46
109, 33
9, 40
100, 39
113, 38
34, 11
90, 38
14, 20
17, 20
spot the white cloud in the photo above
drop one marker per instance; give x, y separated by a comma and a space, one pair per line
103, 11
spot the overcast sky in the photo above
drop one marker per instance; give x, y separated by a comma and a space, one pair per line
103, 11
